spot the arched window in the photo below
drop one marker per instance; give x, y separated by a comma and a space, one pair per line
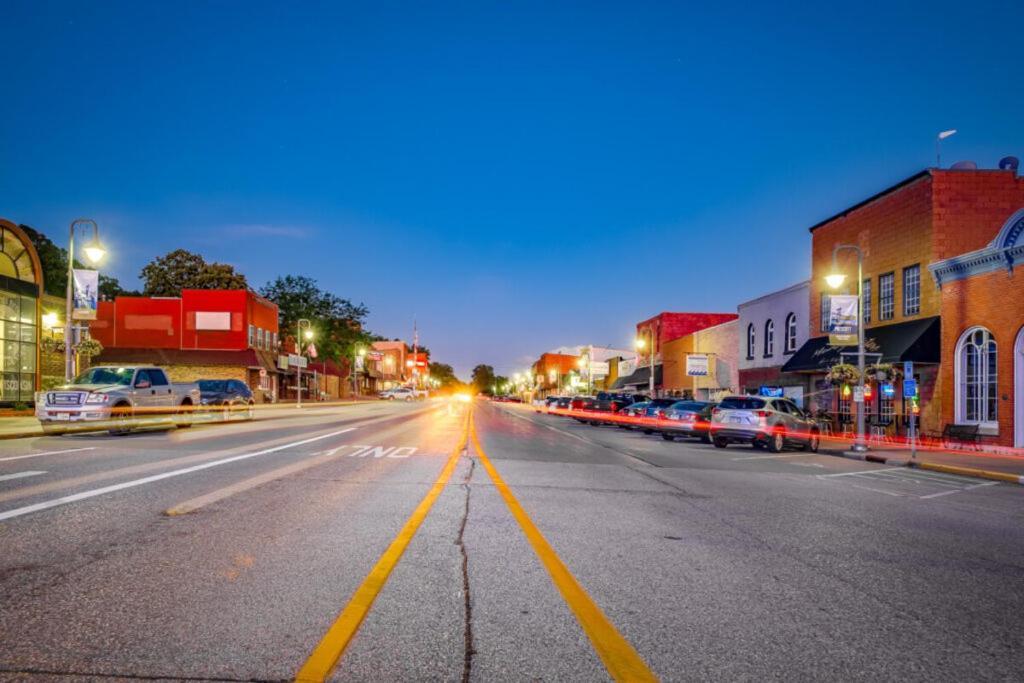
977, 393
791, 333
751, 341
769, 338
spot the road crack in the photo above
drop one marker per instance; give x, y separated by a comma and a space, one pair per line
468, 649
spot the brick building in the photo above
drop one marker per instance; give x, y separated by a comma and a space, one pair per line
981, 374
203, 334
771, 329
551, 369
655, 333
719, 343
928, 217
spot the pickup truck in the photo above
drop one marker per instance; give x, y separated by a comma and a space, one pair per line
114, 396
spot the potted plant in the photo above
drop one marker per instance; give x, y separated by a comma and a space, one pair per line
884, 372
843, 373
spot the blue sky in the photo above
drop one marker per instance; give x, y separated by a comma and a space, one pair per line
517, 176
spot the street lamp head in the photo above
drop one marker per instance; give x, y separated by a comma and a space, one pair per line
50, 320
361, 352
835, 280
640, 343
94, 251
308, 333
947, 133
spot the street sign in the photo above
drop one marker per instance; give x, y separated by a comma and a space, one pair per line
297, 361
858, 395
697, 365
908, 369
909, 388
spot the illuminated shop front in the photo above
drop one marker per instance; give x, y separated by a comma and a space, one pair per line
20, 289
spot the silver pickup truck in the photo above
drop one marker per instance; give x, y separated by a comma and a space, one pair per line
118, 398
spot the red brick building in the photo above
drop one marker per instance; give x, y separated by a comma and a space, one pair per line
927, 218
982, 367
550, 371
208, 334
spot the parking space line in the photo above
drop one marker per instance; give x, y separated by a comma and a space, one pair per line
64, 500
328, 652
21, 475
967, 488
853, 474
39, 455
619, 657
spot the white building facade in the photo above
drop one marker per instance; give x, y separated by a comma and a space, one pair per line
771, 329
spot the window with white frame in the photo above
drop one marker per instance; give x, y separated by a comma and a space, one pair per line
867, 300
751, 340
252, 335
259, 337
791, 333
886, 296
977, 396
912, 289
824, 312
769, 338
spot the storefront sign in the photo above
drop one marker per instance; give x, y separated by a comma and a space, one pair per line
771, 392
282, 362
627, 366
842, 320
599, 369
697, 365
297, 361
87, 291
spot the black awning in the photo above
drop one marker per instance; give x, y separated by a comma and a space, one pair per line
641, 377
916, 340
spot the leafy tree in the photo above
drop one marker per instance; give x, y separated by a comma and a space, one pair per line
444, 374
336, 322
500, 381
483, 379
167, 275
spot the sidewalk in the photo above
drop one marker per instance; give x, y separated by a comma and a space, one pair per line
1009, 468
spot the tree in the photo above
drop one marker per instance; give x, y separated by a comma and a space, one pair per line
444, 374
337, 323
110, 287
483, 379
167, 275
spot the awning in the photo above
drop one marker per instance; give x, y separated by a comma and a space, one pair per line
247, 358
640, 378
916, 340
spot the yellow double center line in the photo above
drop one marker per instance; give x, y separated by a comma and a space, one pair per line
620, 659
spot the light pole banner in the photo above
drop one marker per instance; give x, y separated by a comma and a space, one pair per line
86, 294
842, 319
697, 365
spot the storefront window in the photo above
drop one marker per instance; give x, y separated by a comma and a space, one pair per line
977, 392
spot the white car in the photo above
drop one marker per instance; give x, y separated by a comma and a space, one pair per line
402, 394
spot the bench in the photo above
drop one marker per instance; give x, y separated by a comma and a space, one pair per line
961, 434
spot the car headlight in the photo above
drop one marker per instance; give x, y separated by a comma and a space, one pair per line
97, 398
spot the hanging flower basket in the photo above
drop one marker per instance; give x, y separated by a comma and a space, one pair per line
843, 373
87, 348
884, 372
52, 345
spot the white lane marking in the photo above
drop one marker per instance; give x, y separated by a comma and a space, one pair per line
968, 488
39, 455
21, 475
888, 493
773, 457
45, 505
849, 474
807, 464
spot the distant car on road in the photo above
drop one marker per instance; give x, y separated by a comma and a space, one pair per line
117, 395
771, 423
564, 403
229, 397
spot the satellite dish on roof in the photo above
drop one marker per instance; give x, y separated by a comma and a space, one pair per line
1009, 163
964, 166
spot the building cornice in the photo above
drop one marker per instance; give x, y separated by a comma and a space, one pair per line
1003, 252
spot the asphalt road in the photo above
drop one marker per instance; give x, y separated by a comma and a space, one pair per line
385, 542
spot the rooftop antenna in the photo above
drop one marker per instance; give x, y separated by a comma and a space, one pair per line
938, 145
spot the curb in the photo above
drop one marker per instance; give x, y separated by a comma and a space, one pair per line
971, 472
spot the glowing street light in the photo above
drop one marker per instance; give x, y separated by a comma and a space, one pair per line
835, 280
938, 145
94, 253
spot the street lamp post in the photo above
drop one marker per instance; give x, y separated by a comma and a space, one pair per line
835, 280
94, 252
301, 328
359, 352
640, 343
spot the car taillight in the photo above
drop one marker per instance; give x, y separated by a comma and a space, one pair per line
716, 411
660, 413
762, 413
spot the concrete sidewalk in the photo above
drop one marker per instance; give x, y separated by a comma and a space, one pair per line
1009, 468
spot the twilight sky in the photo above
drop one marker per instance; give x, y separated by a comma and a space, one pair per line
517, 176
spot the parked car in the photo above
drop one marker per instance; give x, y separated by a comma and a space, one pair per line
687, 418
227, 397
654, 410
634, 410
611, 402
564, 403
402, 394
117, 395
771, 423
578, 402
551, 403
